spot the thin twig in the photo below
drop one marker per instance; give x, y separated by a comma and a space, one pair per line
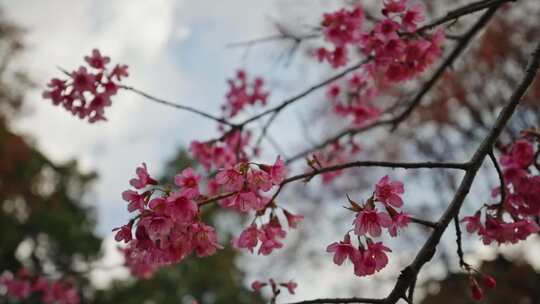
501, 176
177, 106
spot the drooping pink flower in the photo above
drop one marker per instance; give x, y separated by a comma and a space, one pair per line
342, 250
292, 219
243, 201
247, 239
270, 236
257, 285
371, 260
521, 155
291, 286
188, 180
143, 178
96, 60
124, 233
370, 221
136, 200
476, 291
277, 171
473, 223
205, 240
399, 220
388, 192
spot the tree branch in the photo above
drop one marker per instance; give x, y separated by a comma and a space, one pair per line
178, 106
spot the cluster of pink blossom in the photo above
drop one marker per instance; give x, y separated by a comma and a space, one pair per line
337, 153
248, 182
269, 235
370, 257
342, 28
398, 51
258, 285
513, 218
168, 226
243, 93
395, 50
88, 90
24, 285
353, 99
229, 150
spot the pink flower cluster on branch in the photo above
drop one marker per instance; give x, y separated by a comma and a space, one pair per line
243, 93
395, 51
369, 257
168, 225
24, 285
512, 219
88, 90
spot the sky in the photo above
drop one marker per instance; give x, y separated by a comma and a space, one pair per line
176, 50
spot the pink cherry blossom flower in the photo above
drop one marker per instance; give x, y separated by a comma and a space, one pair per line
399, 221
270, 235
521, 155
412, 17
343, 26
370, 221
342, 250
243, 201
473, 223
205, 240
96, 60
83, 81
124, 233
247, 239
143, 178
259, 180
371, 260
394, 6
292, 219
180, 208
388, 192
291, 286
277, 171
231, 179
120, 71
188, 180
136, 200
257, 285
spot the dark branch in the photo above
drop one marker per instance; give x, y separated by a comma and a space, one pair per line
177, 106
340, 301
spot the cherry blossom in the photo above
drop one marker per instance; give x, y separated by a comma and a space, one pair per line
342, 250
370, 221
388, 192
88, 90
24, 285
188, 180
